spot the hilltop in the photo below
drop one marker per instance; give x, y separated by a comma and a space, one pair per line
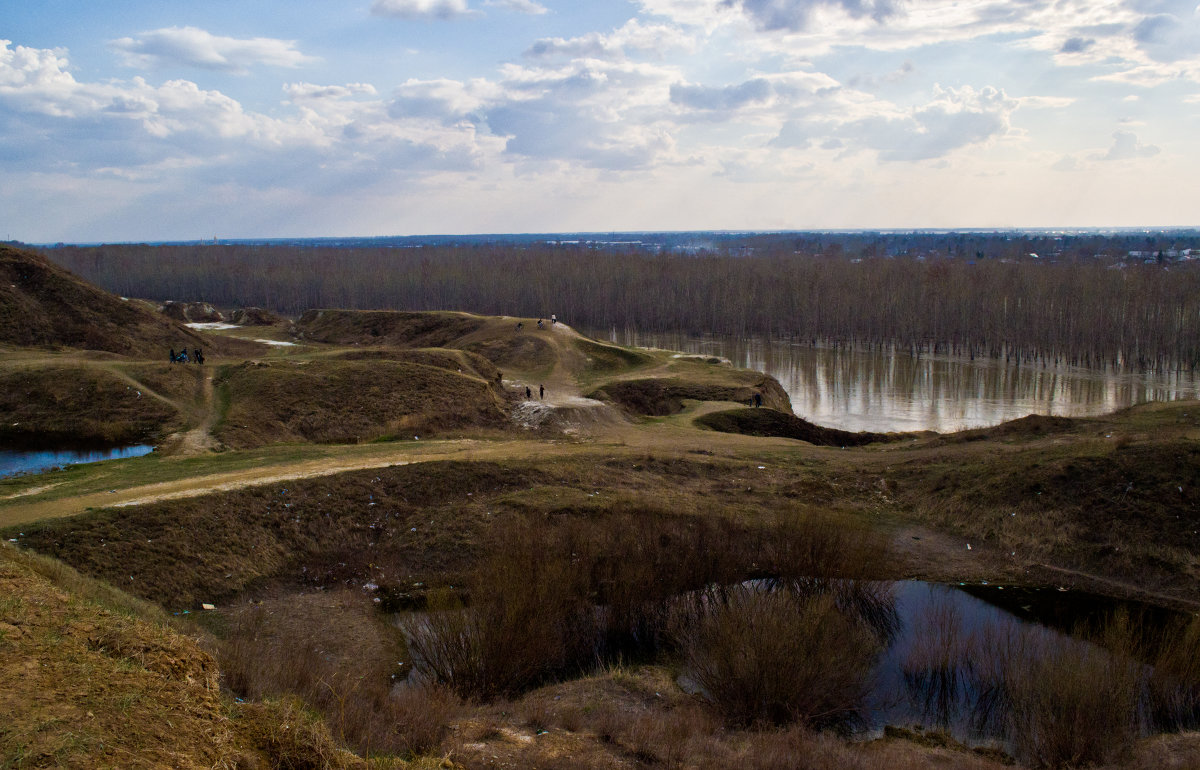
45, 307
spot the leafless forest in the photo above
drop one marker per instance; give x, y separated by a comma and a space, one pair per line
1095, 302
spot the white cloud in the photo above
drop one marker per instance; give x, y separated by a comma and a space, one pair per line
952, 120
1126, 146
296, 91
726, 99
421, 9
633, 37
443, 100
796, 15
193, 47
520, 6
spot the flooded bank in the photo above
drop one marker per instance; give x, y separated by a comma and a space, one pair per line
862, 389
13, 462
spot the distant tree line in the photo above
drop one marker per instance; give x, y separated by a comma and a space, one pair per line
1101, 310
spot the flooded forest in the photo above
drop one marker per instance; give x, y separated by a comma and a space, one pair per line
1123, 301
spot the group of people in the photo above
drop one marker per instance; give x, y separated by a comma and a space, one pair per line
541, 392
183, 358
540, 322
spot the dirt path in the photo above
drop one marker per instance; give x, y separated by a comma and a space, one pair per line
199, 439
197, 486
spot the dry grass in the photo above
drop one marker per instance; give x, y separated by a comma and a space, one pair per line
777, 657
343, 659
772, 422
53, 406
351, 402
663, 396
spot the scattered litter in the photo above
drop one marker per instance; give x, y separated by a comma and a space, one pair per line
414, 529
12, 540
208, 607
370, 587
968, 546
762, 467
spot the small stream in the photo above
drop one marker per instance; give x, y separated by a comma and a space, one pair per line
13, 462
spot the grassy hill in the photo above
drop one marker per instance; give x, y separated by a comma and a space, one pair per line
44, 306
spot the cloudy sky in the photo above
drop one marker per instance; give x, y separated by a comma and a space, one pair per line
158, 119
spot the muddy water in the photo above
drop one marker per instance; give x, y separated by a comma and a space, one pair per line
14, 462
870, 390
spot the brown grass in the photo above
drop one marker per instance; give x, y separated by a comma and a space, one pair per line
342, 659
1061, 702
663, 396
772, 422
777, 657
351, 402
53, 406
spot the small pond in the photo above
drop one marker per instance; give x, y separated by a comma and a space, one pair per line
13, 462
958, 662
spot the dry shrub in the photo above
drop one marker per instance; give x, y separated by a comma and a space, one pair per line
291, 737
333, 653
1175, 680
528, 622
558, 595
777, 657
1061, 702
935, 669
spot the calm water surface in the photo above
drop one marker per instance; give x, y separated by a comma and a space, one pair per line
868, 390
12, 462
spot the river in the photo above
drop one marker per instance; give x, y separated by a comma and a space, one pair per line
858, 389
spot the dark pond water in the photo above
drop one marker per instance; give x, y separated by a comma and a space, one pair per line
954, 650
36, 461
871, 390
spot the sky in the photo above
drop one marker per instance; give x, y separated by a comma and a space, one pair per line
162, 120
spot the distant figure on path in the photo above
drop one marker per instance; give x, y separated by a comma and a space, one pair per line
172, 355
520, 326
183, 356
541, 391
540, 326
199, 356
553, 319
757, 400
528, 392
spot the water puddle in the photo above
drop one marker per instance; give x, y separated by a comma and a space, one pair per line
37, 461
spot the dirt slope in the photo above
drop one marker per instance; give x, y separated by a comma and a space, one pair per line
44, 306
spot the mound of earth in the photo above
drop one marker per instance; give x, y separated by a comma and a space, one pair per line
1031, 426
351, 401
90, 677
520, 351
54, 406
253, 316
192, 312
386, 327
769, 422
44, 306
662, 396
603, 358
460, 361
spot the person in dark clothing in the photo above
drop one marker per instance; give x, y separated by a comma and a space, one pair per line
199, 356
183, 356
541, 391
172, 355
528, 392
757, 400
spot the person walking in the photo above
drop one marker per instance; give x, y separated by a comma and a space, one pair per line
542, 392
528, 393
